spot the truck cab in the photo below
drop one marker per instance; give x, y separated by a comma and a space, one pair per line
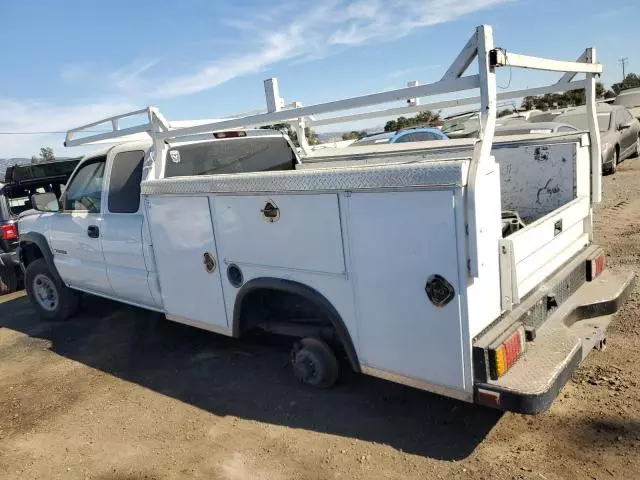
95, 234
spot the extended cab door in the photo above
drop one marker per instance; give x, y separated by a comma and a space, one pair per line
122, 223
75, 230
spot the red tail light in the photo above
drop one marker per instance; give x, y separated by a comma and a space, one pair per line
9, 231
506, 351
232, 134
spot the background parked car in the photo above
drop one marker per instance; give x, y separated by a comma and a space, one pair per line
20, 182
525, 128
462, 126
620, 132
418, 134
630, 99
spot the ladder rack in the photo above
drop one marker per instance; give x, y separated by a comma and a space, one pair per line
480, 47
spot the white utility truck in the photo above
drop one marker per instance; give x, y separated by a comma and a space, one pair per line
462, 267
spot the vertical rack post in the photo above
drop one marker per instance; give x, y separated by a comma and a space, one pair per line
480, 162
594, 131
413, 101
272, 92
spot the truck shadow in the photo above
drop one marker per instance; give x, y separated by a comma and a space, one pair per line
251, 378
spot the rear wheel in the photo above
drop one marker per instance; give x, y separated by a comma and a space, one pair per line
8, 279
314, 363
52, 300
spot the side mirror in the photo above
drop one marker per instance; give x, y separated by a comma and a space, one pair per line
45, 202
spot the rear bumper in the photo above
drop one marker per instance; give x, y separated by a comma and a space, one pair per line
565, 339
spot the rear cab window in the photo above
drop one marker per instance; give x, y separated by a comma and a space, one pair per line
124, 182
235, 155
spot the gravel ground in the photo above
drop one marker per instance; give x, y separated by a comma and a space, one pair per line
118, 393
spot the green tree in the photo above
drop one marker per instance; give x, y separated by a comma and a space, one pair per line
425, 118
353, 135
428, 118
609, 94
528, 103
504, 112
571, 98
632, 80
46, 155
391, 126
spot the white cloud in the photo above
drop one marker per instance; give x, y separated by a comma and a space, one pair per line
32, 117
315, 32
405, 72
129, 78
74, 72
275, 47
285, 31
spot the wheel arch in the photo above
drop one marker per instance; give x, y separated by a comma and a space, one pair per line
319, 301
34, 245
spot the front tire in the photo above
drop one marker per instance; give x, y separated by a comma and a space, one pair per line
51, 299
613, 165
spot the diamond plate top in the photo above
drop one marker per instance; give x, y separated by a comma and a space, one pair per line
451, 173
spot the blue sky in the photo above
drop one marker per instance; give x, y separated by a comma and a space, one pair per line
70, 62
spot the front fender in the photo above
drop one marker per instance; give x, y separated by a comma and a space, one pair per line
38, 240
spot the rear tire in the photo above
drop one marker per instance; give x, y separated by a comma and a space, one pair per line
8, 279
314, 363
51, 299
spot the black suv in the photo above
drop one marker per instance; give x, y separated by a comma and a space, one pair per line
22, 181
9, 265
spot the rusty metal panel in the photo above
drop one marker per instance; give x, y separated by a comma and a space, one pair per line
537, 178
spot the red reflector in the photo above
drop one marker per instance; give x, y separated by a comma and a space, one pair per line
232, 134
9, 231
596, 265
489, 398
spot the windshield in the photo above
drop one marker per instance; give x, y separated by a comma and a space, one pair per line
460, 124
257, 154
579, 120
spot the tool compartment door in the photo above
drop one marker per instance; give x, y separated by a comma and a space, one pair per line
182, 233
398, 240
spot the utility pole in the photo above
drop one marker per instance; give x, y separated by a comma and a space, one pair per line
623, 61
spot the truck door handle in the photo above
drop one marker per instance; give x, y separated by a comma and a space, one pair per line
93, 231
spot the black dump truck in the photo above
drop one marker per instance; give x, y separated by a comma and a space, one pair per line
20, 182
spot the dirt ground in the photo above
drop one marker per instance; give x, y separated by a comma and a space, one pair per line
118, 393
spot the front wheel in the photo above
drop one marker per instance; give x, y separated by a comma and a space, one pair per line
613, 165
49, 297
